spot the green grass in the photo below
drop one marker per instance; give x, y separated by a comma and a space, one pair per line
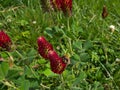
94, 50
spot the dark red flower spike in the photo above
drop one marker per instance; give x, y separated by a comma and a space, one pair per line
56, 4
44, 47
67, 7
5, 41
64, 5
104, 12
56, 63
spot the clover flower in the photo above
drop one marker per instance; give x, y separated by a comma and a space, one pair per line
64, 5
44, 47
56, 62
5, 41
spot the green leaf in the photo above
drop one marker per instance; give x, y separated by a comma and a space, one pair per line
25, 85
26, 34
77, 44
48, 31
42, 61
4, 67
13, 73
77, 57
22, 22
88, 44
66, 73
49, 73
82, 75
3, 54
84, 57
28, 72
98, 86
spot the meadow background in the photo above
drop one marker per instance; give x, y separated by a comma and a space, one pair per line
93, 48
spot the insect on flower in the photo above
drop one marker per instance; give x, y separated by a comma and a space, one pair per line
66, 59
57, 63
104, 12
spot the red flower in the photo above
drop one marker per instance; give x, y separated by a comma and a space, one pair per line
44, 47
5, 40
104, 12
56, 4
64, 5
56, 63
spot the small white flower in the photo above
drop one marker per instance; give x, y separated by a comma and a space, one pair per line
117, 60
112, 28
62, 26
58, 47
9, 20
34, 22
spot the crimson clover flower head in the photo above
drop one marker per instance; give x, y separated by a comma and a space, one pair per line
43, 47
56, 62
5, 41
56, 4
64, 5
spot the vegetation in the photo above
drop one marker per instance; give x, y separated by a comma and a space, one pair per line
93, 48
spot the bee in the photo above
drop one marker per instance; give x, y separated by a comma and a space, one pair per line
104, 12
66, 59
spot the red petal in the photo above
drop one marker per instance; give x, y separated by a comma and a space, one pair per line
44, 47
5, 40
64, 5
56, 4
56, 62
